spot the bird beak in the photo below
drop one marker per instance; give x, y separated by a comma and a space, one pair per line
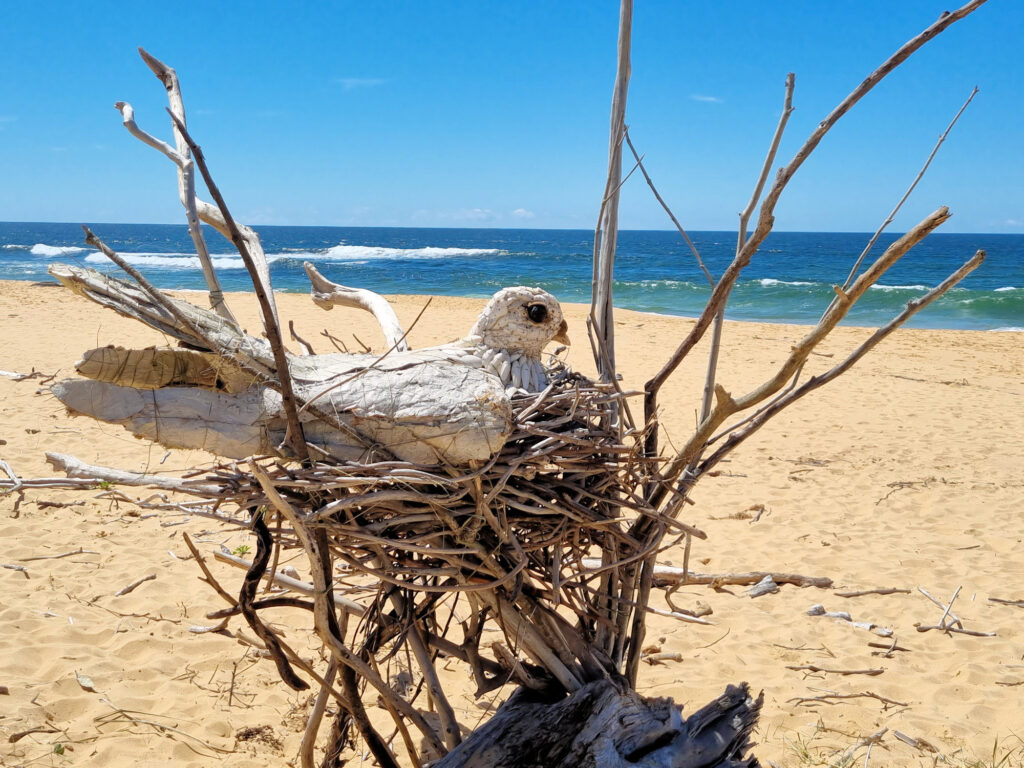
563, 334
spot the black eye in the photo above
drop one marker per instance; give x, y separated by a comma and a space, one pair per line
538, 313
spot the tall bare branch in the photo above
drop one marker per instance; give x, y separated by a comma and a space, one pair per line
265, 296
186, 173
766, 216
601, 313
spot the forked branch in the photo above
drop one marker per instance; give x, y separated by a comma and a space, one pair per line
766, 215
186, 173
727, 406
913, 307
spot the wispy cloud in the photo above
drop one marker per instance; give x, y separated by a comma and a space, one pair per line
354, 83
1014, 223
706, 99
523, 213
472, 214
456, 215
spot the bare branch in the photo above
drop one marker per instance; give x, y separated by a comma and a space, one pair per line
295, 336
608, 227
327, 294
265, 296
741, 240
864, 253
128, 119
186, 174
675, 221
913, 185
766, 217
813, 383
727, 406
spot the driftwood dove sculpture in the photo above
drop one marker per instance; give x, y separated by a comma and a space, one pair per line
448, 403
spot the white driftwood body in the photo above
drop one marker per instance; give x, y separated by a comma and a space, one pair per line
424, 413
446, 404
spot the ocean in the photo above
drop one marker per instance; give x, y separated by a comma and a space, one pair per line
789, 281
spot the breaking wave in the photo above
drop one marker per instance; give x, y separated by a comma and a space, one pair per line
50, 251
341, 254
366, 252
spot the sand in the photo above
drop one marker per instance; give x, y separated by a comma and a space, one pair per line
907, 472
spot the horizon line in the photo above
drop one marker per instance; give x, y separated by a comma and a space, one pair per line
520, 229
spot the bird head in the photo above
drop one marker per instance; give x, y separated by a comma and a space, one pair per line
523, 319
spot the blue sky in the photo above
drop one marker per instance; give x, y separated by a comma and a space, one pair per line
496, 113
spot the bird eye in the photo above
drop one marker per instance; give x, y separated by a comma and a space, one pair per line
538, 313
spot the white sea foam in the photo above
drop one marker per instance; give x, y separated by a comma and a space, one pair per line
51, 251
12, 246
345, 254
172, 260
768, 281
899, 287
1009, 329
1006, 288
366, 252
659, 284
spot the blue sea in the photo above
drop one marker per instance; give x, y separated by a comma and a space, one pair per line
789, 281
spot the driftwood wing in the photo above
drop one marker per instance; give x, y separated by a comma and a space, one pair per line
179, 319
157, 367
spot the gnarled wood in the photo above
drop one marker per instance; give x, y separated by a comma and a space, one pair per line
605, 725
327, 295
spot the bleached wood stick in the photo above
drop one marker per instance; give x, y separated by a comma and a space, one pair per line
608, 223
685, 617
327, 294
79, 551
881, 591
76, 468
1015, 603
836, 696
182, 159
134, 585
667, 574
813, 668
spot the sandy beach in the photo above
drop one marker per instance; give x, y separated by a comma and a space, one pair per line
906, 473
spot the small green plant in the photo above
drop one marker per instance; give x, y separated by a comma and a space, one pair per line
104, 485
241, 550
58, 749
1002, 757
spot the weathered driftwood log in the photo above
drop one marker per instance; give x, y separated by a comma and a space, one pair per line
448, 403
400, 408
604, 725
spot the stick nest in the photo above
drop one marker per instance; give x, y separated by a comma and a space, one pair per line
505, 540
553, 495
